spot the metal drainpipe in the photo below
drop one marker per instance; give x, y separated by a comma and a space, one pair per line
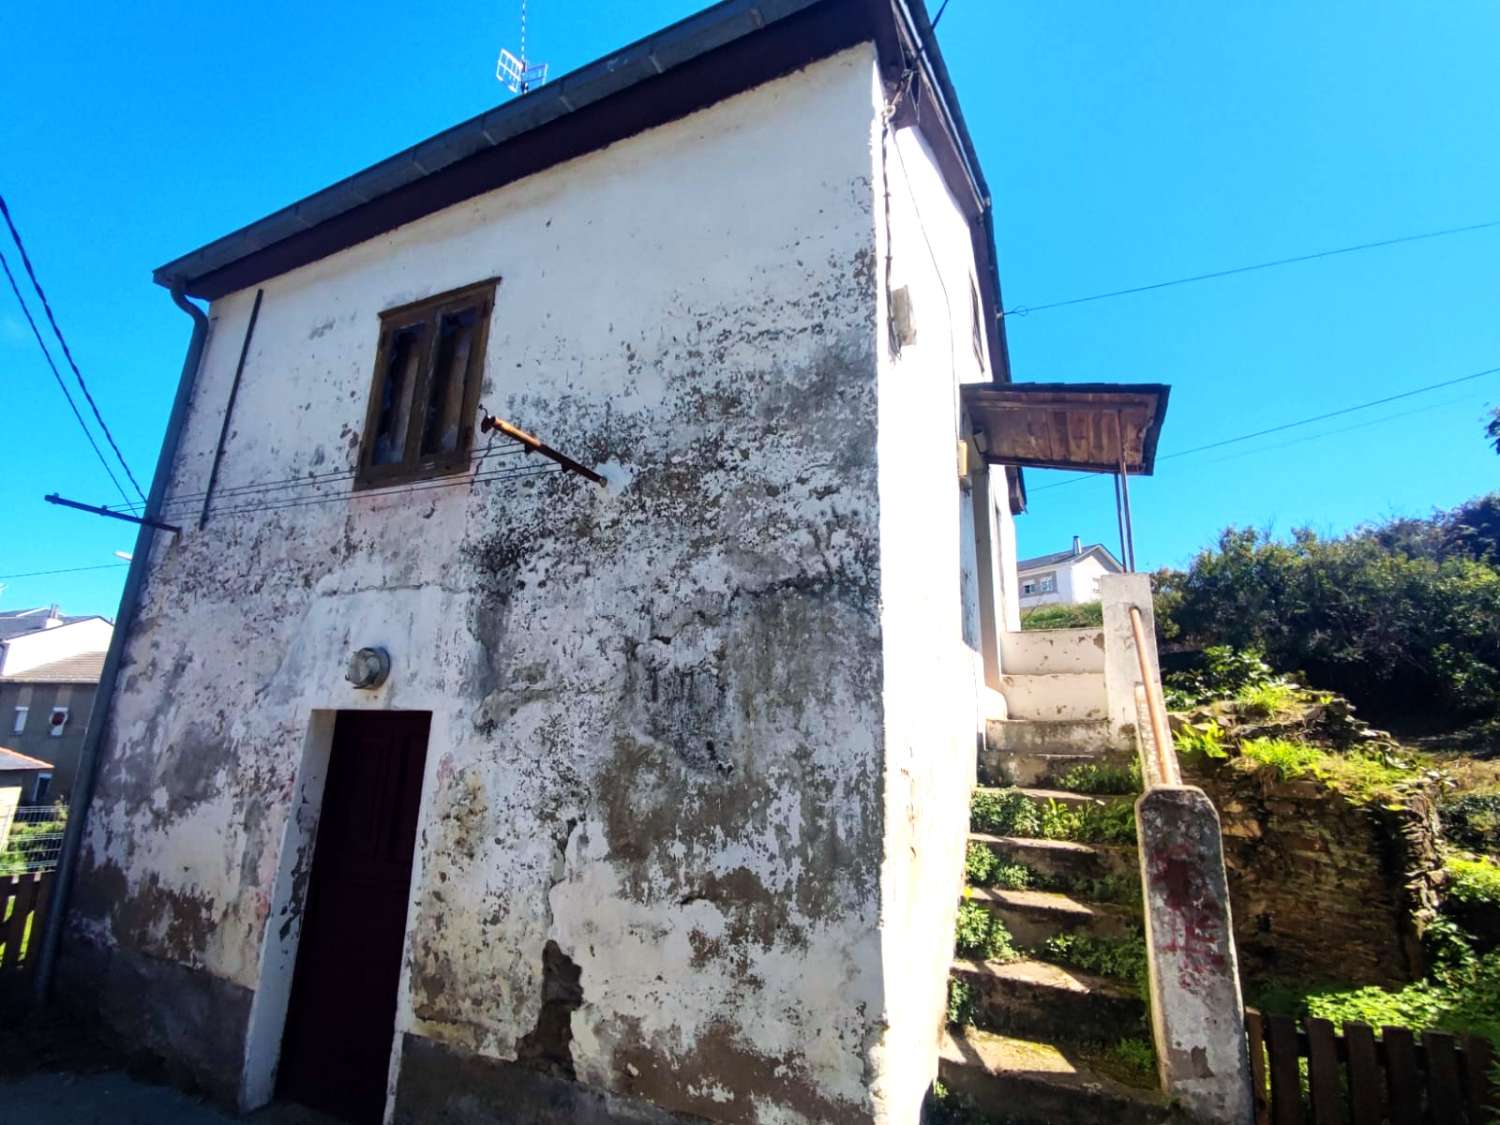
135, 579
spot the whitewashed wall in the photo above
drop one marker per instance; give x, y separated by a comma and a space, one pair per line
677, 722
933, 679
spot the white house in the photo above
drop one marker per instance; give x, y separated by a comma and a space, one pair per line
1068, 577
442, 783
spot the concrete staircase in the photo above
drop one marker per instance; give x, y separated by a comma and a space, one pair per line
1038, 1037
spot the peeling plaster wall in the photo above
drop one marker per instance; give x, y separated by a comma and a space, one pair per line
660, 720
933, 679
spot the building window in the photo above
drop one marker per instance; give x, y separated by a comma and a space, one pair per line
428, 368
43, 787
1028, 588
20, 725
58, 721
1047, 584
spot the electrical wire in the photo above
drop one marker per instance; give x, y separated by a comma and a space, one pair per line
65, 570
1292, 425
291, 483
62, 386
938, 18
378, 493
1027, 310
67, 353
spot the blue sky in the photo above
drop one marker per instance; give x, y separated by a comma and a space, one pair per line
1124, 143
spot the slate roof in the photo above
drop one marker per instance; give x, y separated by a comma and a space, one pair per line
1056, 557
15, 760
85, 668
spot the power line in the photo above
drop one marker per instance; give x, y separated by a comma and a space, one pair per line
47, 308
1299, 422
65, 570
62, 386
1027, 310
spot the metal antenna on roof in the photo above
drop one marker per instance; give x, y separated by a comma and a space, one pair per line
516, 72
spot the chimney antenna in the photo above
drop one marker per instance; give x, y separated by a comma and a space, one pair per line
516, 72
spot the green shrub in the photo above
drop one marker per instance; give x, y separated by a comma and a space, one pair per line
984, 868
1473, 880
1121, 958
1472, 821
1223, 673
979, 934
1398, 617
1005, 812
1201, 741
1289, 759
1102, 778
1363, 775
1089, 615
1112, 822
1466, 1002
960, 1003
1266, 701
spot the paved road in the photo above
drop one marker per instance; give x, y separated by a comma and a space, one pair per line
115, 1098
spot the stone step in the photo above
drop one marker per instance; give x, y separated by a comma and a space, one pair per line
1062, 859
1041, 1000
1054, 696
1063, 796
1039, 769
1029, 1083
1047, 736
1040, 651
1034, 916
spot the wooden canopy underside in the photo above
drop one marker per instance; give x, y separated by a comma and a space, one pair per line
1080, 426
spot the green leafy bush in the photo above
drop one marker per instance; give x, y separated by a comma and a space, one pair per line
960, 1003
1472, 820
1397, 617
1111, 822
1223, 672
1089, 615
979, 934
1121, 958
984, 868
1266, 701
1102, 778
1473, 880
1466, 1002
1289, 759
1005, 812
1201, 740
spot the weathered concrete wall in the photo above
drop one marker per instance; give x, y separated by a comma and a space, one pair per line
660, 720
933, 680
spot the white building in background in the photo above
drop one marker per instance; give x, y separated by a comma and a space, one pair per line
1068, 577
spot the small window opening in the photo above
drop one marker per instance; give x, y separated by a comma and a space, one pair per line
21, 713
976, 312
58, 721
43, 787
428, 369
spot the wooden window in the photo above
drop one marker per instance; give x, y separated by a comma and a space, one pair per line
428, 368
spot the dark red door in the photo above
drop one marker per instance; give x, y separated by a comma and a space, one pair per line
336, 1049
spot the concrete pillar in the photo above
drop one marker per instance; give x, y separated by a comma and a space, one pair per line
1122, 669
1197, 1013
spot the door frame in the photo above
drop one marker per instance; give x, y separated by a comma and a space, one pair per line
283, 926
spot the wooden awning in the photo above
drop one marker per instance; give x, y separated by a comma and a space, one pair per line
1081, 426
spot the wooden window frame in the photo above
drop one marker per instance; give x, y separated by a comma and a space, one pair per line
427, 313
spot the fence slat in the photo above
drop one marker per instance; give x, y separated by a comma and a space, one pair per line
1323, 1072
1365, 1080
1443, 1097
1483, 1098
1286, 1076
1255, 1028
1401, 1076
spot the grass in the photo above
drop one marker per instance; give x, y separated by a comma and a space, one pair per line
984, 868
1112, 823
1360, 774
1266, 701
1473, 880
1089, 615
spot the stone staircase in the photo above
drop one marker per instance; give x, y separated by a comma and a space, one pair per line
1055, 1029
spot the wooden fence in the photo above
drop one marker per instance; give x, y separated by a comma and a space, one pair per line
1355, 1078
23, 906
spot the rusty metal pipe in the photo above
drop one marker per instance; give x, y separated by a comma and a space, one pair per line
536, 445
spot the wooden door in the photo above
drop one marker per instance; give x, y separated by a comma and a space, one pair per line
336, 1048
